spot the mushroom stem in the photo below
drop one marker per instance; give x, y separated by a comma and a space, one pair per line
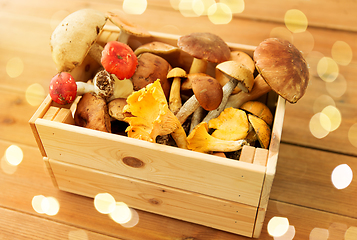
175, 102
179, 135
96, 52
197, 117
227, 91
198, 66
83, 88
187, 109
123, 36
259, 89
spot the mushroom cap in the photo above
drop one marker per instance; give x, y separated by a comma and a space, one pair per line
261, 129
126, 26
283, 67
150, 68
63, 88
243, 58
208, 91
237, 71
119, 59
232, 124
177, 72
74, 36
159, 48
104, 84
206, 46
258, 109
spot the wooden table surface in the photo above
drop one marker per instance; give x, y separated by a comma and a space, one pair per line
302, 191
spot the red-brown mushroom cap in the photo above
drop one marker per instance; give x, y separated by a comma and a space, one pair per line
283, 67
63, 88
206, 46
208, 91
119, 59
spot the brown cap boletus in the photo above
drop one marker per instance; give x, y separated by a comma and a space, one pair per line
150, 68
283, 67
204, 47
92, 112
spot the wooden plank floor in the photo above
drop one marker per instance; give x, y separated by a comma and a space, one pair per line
302, 190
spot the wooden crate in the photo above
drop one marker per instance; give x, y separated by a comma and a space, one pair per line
218, 192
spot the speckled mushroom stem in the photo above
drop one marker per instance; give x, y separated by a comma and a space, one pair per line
180, 137
187, 109
259, 89
175, 101
198, 66
227, 91
197, 117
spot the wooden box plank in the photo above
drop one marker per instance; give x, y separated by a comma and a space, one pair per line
197, 172
213, 212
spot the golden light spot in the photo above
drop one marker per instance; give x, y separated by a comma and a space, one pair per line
304, 41
37, 204
186, 8
321, 102
281, 32
318, 125
312, 60
6, 167
133, 221
53, 206
334, 116
319, 234
14, 67
201, 6
121, 214
289, 235
35, 94
352, 135
104, 203
236, 6
338, 87
175, 4
278, 226
342, 176
14, 155
351, 233
342, 53
220, 13
295, 20
78, 234
135, 7
327, 69
57, 17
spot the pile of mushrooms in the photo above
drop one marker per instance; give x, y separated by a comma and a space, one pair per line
211, 106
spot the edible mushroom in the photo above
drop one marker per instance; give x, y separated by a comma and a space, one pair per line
63, 88
119, 59
200, 140
243, 58
204, 48
175, 76
283, 67
258, 109
262, 130
208, 94
75, 37
126, 28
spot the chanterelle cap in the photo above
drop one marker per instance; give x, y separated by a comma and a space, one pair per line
206, 46
283, 67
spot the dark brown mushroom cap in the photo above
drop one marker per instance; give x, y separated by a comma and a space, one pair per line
208, 91
283, 67
206, 46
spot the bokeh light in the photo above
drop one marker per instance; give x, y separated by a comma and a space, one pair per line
236, 6
327, 69
37, 203
352, 135
321, 102
341, 52
318, 125
334, 116
14, 155
295, 20
136, 7
289, 235
121, 214
45, 205
6, 167
220, 13
175, 4
78, 235
53, 206
133, 221
281, 32
14, 67
313, 59
342, 176
278, 226
319, 234
186, 8
338, 87
198, 7
351, 233
104, 203
35, 94
57, 18
304, 41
